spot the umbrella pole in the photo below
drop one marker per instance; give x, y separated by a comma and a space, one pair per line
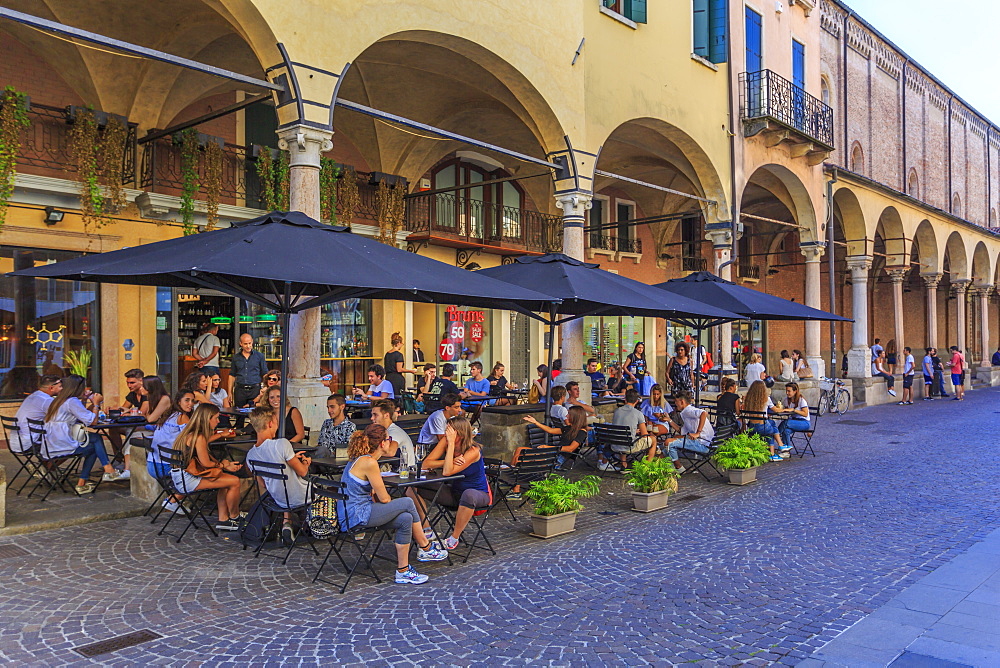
548, 381
286, 318
697, 372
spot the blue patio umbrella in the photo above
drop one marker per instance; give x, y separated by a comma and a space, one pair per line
289, 262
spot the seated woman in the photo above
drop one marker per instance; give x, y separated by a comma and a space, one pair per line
757, 403
203, 471
169, 425
800, 365
499, 383
457, 453
200, 383
369, 504
620, 380
786, 370
657, 411
878, 370
571, 436
271, 379
729, 404
536, 393
295, 429
797, 411
66, 410
217, 394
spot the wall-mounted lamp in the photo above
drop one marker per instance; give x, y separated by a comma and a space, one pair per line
53, 215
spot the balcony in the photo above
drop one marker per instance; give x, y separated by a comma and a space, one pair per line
615, 244
781, 112
457, 220
694, 264
748, 273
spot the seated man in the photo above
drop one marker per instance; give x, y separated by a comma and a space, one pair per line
445, 383
378, 388
384, 413
433, 430
631, 417
264, 420
33, 407
697, 431
598, 383
573, 398
476, 386
336, 431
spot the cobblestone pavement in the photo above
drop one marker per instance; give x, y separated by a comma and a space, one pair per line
755, 575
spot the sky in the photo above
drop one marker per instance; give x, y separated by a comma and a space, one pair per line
949, 39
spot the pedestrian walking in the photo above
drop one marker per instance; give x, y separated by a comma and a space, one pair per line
957, 364
908, 372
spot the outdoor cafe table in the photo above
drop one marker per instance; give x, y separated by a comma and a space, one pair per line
428, 479
328, 465
129, 428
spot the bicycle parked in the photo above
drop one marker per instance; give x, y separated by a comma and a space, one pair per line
834, 397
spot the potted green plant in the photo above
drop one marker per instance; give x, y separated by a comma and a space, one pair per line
652, 484
741, 455
557, 501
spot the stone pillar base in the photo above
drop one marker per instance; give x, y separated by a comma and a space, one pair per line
309, 396
988, 376
859, 363
818, 366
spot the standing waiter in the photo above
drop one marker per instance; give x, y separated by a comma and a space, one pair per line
248, 369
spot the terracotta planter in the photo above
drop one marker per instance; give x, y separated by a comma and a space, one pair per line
549, 526
647, 502
742, 476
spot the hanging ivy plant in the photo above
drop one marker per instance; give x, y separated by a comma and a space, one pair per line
329, 172
13, 120
188, 140
348, 196
111, 159
213, 183
391, 210
84, 138
282, 175
265, 174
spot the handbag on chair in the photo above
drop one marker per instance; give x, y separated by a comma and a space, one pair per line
78, 432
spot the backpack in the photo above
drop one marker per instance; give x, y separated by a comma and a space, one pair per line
254, 525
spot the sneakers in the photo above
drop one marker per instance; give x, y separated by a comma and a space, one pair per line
605, 466
900, 403
892, 393
171, 506
927, 399
785, 455
111, 477
514, 496
909, 403
84, 489
287, 534
784, 448
451, 542
410, 577
125, 475
775, 458
432, 553
429, 534
229, 525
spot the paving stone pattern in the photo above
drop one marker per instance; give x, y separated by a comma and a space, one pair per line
758, 575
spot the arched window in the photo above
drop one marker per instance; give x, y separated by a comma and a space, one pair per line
487, 213
993, 219
857, 159
956, 206
824, 88
913, 185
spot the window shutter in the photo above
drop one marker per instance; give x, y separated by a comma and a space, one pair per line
699, 28
717, 31
636, 10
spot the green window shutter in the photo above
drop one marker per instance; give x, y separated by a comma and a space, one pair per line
635, 10
717, 31
699, 27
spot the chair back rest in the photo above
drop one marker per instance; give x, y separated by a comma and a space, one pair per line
723, 434
39, 444
432, 402
173, 457
536, 462
270, 471
537, 437
613, 434
412, 429
333, 491
10, 426
757, 416
305, 439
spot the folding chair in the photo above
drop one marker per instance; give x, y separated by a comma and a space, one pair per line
275, 511
617, 440
25, 458
194, 502
480, 514
807, 436
699, 460
359, 538
305, 439
55, 471
533, 465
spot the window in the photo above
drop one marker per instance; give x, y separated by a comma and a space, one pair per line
956, 206
913, 185
709, 29
799, 64
41, 320
626, 233
597, 219
633, 10
857, 159
490, 212
824, 87
691, 259
755, 46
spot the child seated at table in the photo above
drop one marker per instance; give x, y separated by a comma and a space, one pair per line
369, 504
271, 450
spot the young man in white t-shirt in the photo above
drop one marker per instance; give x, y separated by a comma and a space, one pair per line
697, 431
909, 370
206, 349
33, 407
273, 450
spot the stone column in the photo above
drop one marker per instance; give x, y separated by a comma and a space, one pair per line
814, 356
721, 236
304, 145
574, 207
931, 281
961, 287
983, 293
897, 275
859, 357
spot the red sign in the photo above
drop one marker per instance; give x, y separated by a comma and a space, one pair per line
455, 315
476, 332
446, 350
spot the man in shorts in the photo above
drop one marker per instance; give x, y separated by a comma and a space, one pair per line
908, 372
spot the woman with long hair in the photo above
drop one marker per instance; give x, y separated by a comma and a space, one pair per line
203, 471
369, 504
200, 383
65, 411
755, 370
538, 385
680, 370
756, 405
270, 379
636, 364
458, 453
295, 429
217, 394
728, 405
786, 368
498, 384
797, 411
395, 365
657, 410
168, 427
572, 436
156, 399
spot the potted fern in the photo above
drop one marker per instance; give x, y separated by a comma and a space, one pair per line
557, 501
652, 484
741, 455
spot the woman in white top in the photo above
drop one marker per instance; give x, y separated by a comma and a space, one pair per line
754, 370
218, 395
66, 410
797, 411
787, 371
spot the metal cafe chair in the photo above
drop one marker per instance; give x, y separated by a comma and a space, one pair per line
55, 471
195, 501
26, 459
275, 511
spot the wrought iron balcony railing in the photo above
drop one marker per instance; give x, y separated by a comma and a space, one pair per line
694, 264
767, 95
750, 272
619, 244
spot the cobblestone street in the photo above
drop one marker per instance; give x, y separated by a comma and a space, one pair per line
757, 575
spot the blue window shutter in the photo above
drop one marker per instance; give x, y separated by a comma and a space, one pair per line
755, 49
717, 31
635, 10
798, 64
699, 28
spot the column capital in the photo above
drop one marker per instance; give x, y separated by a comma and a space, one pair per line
961, 285
304, 144
931, 280
859, 264
897, 274
574, 205
720, 234
981, 289
813, 252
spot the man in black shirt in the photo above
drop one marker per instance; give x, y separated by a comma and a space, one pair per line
133, 381
248, 369
444, 384
418, 354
